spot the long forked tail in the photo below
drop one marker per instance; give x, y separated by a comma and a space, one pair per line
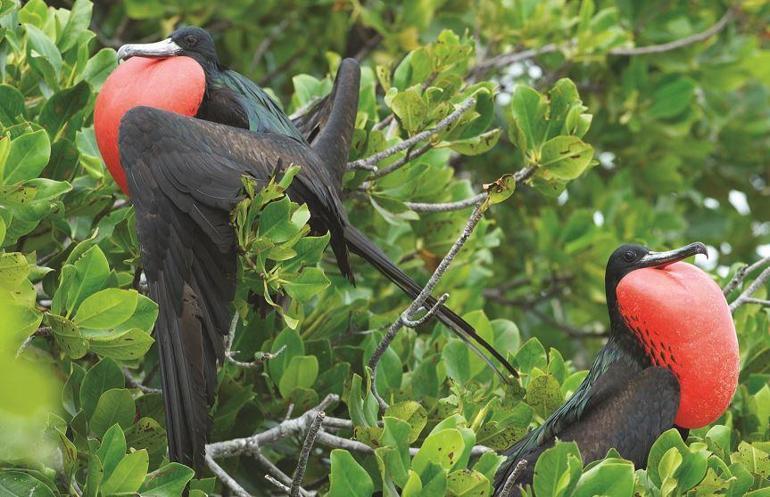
362, 246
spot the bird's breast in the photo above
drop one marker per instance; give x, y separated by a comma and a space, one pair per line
683, 322
175, 84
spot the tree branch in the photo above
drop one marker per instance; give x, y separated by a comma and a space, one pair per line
370, 163
307, 446
418, 302
225, 478
510, 482
675, 44
755, 285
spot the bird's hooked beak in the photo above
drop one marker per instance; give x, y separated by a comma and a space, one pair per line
163, 48
663, 259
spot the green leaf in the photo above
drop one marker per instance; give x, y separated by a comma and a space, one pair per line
128, 475
11, 106
168, 481
410, 107
79, 19
394, 449
611, 478
347, 478
27, 158
114, 406
14, 269
20, 484
112, 450
565, 157
107, 308
41, 47
104, 375
290, 344
544, 394
527, 113
443, 448
310, 282
99, 67
475, 145
558, 470
301, 372
91, 273
413, 486
672, 98
130, 345
531, 355
468, 483
61, 107
411, 412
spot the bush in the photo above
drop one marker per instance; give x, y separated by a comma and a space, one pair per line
582, 141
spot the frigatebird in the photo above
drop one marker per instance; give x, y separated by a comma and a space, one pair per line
671, 360
178, 131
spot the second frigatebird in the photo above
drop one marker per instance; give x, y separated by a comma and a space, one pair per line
184, 177
671, 360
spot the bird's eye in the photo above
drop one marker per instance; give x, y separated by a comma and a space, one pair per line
629, 256
191, 41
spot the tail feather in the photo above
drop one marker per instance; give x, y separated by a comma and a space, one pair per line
362, 246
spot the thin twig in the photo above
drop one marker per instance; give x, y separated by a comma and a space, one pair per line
675, 44
278, 484
507, 59
307, 446
752, 300
755, 285
410, 155
225, 478
446, 206
135, 382
409, 323
248, 445
510, 482
370, 163
521, 175
276, 473
426, 291
742, 273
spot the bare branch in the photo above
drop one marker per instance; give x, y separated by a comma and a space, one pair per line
249, 445
307, 446
277, 483
755, 285
370, 163
510, 483
418, 302
225, 478
675, 44
410, 155
259, 357
447, 206
277, 474
742, 273
752, 300
521, 175
409, 323
135, 382
509, 58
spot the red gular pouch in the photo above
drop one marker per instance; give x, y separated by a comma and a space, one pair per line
175, 84
684, 324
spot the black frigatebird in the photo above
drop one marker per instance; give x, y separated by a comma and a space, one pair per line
178, 131
671, 360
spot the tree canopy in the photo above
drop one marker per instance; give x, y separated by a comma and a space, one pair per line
526, 139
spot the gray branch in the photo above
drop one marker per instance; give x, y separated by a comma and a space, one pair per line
510, 482
307, 446
676, 44
418, 302
225, 478
370, 163
755, 285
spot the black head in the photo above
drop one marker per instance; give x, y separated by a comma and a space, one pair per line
190, 41
629, 257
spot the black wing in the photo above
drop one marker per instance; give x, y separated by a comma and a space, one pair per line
627, 412
184, 176
328, 124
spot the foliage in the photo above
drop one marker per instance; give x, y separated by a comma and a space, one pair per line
663, 148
